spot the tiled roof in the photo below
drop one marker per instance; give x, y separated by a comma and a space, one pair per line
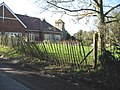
32, 23
48, 27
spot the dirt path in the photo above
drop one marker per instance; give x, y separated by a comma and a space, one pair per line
35, 81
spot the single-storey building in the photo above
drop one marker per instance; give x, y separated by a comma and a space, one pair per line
34, 29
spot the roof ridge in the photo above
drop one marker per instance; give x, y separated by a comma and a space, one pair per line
28, 16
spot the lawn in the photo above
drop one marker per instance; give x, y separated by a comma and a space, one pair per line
67, 53
57, 54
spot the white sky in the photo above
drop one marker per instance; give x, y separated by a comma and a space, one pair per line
28, 7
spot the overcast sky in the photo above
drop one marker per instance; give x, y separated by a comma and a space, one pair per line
29, 8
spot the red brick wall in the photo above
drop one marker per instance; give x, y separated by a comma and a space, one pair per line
7, 13
1, 11
11, 26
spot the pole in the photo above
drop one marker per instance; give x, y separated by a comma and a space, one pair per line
95, 47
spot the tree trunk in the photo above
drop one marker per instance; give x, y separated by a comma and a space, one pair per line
101, 27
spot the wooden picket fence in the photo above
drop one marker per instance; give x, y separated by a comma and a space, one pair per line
68, 54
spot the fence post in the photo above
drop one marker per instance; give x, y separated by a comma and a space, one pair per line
0, 40
95, 47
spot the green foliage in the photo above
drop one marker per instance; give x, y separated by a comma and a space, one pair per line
8, 52
65, 53
113, 30
85, 36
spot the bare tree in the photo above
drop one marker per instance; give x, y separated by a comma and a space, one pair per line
85, 8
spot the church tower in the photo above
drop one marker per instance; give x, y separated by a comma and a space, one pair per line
61, 25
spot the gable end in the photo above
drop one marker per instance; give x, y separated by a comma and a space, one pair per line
4, 5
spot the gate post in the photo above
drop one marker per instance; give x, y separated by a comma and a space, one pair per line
95, 47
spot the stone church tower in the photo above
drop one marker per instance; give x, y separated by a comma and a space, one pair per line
61, 25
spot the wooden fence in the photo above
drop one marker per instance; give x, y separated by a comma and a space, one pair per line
68, 54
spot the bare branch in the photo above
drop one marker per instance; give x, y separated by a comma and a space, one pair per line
81, 15
112, 21
44, 9
110, 16
85, 15
112, 9
96, 2
63, 1
72, 10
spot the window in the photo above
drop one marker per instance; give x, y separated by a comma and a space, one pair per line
57, 37
47, 37
13, 34
31, 37
36, 37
